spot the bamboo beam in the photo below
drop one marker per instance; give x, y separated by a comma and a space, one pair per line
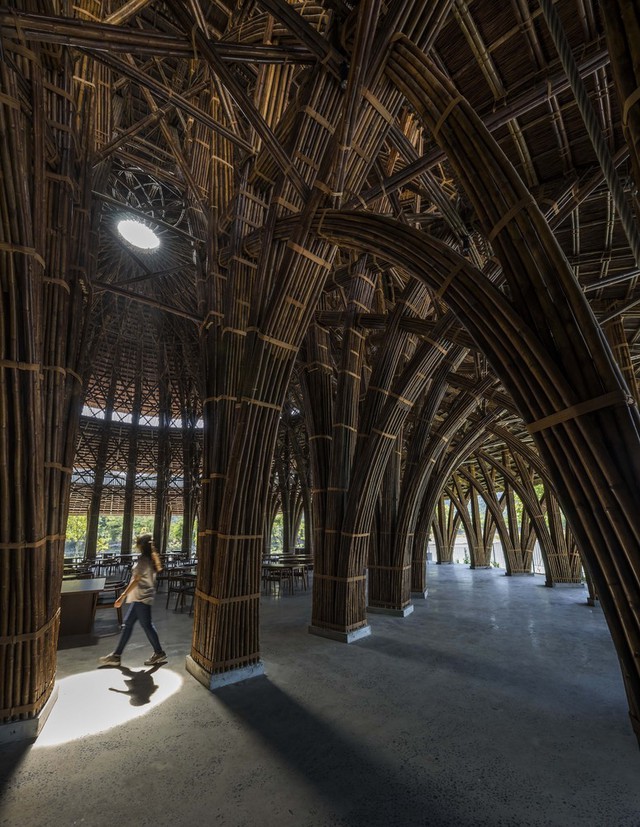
499, 115
209, 52
98, 37
169, 96
149, 302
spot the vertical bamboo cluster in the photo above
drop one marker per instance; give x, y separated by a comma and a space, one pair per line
44, 209
246, 373
445, 530
100, 469
334, 457
162, 517
466, 504
564, 561
422, 490
132, 461
481, 545
27, 632
191, 459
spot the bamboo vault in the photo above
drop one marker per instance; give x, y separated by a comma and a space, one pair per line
394, 291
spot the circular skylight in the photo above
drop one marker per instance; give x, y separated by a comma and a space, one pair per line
138, 234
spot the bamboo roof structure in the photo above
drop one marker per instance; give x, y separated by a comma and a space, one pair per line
398, 246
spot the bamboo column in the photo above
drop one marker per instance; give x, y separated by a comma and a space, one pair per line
565, 564
481, 552
100, 468
389, 585
447, 521
467, 507
191, 450
515, 529
43, 271
162, 517
132, 462
287, 280
334, 460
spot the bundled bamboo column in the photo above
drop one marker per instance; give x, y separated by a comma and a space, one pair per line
481, 551
162, 516
565, 563
467, 507
132, 462
282, 287
100, 469
389, 583
334, 462
287, 488
44, 205
245, 383
515, 529
446, 521
191, 451
423, 487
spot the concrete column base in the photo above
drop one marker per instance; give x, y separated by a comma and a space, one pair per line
220, 679
420, 595
343, 637
30, 729
381, 610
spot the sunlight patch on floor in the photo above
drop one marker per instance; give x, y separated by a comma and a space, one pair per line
99, 700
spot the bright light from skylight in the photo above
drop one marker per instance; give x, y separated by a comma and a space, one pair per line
93, 702
138, 234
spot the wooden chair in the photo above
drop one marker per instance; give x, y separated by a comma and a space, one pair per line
108, 596
298, 570
182, 586
282, 576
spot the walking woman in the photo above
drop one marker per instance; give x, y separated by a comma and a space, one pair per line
139, 595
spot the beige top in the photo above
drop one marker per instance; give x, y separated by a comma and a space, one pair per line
145, 589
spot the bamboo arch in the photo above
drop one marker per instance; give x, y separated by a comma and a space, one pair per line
597, 482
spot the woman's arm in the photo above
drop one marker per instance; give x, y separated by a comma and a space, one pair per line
157, 562
132, 583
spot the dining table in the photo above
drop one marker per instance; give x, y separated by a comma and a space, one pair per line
78, 601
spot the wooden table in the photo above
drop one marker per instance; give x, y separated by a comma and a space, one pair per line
78, 602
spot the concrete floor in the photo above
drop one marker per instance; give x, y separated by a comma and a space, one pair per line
497, 702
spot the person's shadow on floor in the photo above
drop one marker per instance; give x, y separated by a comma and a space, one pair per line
141, 685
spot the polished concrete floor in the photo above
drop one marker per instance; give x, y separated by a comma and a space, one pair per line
497, 702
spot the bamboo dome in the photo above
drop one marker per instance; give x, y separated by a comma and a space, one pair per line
392, 275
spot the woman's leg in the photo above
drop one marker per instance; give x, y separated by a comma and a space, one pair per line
144, 616
129, 623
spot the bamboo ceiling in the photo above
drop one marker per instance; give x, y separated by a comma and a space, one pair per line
180, 132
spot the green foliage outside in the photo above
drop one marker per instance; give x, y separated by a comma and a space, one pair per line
110, 533
277, 535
